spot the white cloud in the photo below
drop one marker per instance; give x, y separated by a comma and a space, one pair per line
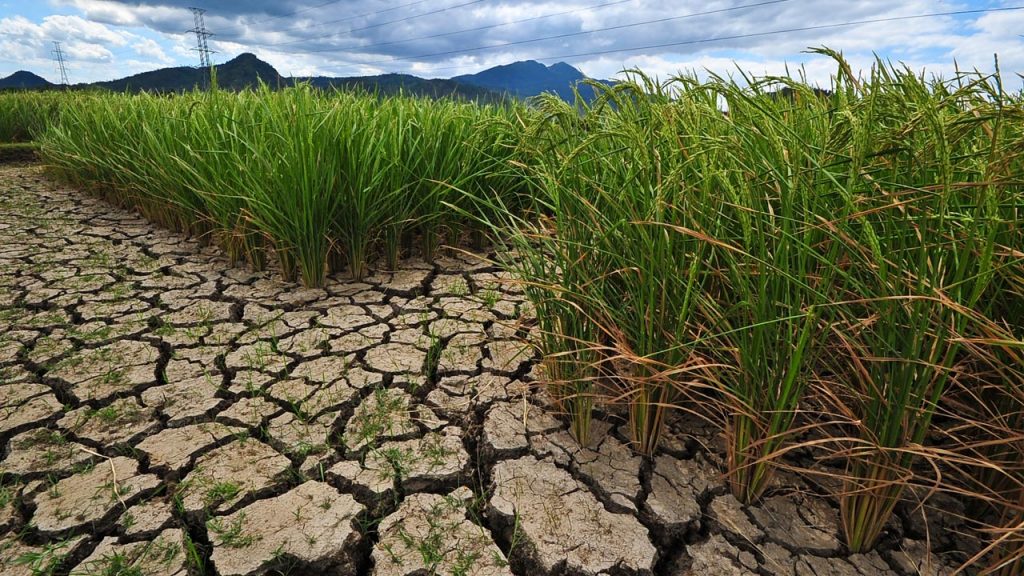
370, 36
106, 12
132, 66
149, 48
20, 27
30, 44
61, 27
117, 13
78, 51
817, 70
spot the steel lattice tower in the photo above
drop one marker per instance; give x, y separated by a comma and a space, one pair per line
58, 55
201, 37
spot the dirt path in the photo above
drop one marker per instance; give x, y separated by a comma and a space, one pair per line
163, 413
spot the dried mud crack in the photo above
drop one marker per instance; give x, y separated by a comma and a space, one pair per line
162, 410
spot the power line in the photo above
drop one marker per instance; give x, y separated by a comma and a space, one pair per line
477, 29
346, 19
626, 49
788, 31
372, 26
58, 55
290, 14
582, 33
761, 34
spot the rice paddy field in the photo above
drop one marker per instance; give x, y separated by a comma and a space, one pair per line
826, 288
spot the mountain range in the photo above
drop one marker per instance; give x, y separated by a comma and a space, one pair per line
517, 80
530, 78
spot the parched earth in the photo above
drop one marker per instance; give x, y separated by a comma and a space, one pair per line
164, 413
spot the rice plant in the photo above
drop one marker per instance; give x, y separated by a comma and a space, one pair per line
24, 115
778, 269
617, 276
921, 237
552, 276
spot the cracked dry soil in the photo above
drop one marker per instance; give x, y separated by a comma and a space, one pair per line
164, 413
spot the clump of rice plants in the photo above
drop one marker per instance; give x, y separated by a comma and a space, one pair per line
324, 180
851, 239
219, 168
677, 250
130, 162
921, 238
777, 270
616, 265
553, 273
24, 115
298, 197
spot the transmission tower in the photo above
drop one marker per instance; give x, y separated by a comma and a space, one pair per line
201, 36
58, 55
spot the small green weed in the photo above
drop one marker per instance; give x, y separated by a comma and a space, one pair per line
231, 535
221, 492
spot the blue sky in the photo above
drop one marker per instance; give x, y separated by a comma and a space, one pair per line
106, 39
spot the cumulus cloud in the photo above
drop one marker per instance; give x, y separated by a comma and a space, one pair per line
158, 16
83, 41
88, 52
602, 37
149, 48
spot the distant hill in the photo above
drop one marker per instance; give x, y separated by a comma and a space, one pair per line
24, 80
245, 71
530, 78
163, 80
519, 80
